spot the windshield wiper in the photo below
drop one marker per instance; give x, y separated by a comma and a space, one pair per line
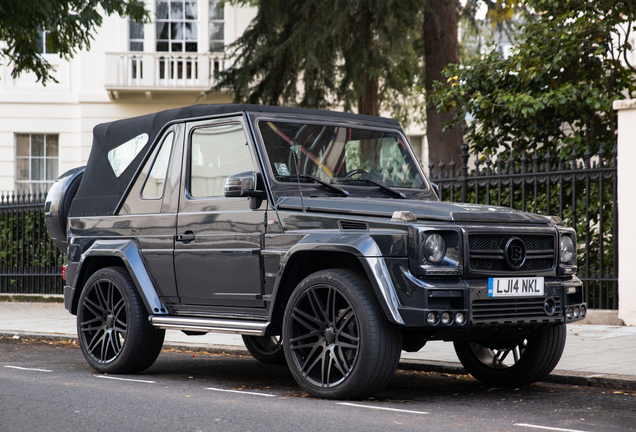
327, 185
396, 193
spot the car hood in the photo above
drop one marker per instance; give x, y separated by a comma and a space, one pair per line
423, 210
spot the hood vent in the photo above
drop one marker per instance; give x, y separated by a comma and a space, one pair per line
352, 225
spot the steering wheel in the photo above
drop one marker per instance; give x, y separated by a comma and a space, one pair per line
356, 171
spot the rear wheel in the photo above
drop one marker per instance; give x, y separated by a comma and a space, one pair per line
267, 350
514, 362
112, 324
337, 341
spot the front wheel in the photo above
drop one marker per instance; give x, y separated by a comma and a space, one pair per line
112, 324
337, 341
513, 362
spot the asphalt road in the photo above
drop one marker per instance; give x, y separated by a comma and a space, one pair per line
47, 386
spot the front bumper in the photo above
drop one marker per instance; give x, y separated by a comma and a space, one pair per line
420, 296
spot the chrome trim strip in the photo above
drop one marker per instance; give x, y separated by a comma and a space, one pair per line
253, 328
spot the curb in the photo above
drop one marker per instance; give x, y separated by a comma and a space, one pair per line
584, 379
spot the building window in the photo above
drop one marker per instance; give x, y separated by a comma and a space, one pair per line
217, 26
177, 26
135, 36
44, 42
36, 161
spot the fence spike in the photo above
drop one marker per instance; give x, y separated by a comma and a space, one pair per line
500, 163
535, 161
601, 156
464, 156
451, 167
614, 154
548, 161
587, 155
488, 165
511, 163
573, 157
431, 166
523, 160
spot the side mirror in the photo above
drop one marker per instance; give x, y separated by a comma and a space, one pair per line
244, 185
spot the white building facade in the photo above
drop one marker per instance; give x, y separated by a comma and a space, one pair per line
131, 69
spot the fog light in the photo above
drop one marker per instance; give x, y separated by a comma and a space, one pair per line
577, 312
460, 318
568, 313
583, 311
432, 318
447, 318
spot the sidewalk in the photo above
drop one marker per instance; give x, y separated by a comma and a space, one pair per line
594, 354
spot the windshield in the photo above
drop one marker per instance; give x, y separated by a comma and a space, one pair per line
338, 154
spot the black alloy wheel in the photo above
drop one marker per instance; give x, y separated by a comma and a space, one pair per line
112, 324
337, 341
514, 362
268, 350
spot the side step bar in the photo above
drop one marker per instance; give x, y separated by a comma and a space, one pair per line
252, 328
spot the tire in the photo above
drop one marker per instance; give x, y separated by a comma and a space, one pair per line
268, 350
112, 324
337, 341
532, 358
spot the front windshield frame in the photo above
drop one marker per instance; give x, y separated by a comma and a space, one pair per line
357, 188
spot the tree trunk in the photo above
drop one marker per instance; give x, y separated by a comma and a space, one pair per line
368, 102
440, 49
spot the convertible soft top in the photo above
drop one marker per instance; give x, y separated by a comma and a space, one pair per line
101, 189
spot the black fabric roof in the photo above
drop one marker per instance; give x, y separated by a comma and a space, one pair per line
101, 190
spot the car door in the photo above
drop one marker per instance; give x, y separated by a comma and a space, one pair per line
217, 253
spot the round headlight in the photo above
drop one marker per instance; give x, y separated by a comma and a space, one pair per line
434, 248
567, 249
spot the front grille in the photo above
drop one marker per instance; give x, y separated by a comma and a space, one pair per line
511, 309
486, 253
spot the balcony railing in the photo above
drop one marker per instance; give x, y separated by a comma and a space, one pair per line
130, 71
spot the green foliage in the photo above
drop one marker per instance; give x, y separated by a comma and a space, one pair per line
556, 89
71, 23
317, 54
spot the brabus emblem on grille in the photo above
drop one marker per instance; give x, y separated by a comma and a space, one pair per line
515, 253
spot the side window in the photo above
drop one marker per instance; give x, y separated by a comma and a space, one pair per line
217, 152
157, 177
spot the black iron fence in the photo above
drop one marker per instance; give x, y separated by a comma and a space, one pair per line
580, 189
30, 263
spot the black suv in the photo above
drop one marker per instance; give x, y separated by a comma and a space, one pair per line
316, 236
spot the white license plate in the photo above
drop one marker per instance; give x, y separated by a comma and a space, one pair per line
515, 287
